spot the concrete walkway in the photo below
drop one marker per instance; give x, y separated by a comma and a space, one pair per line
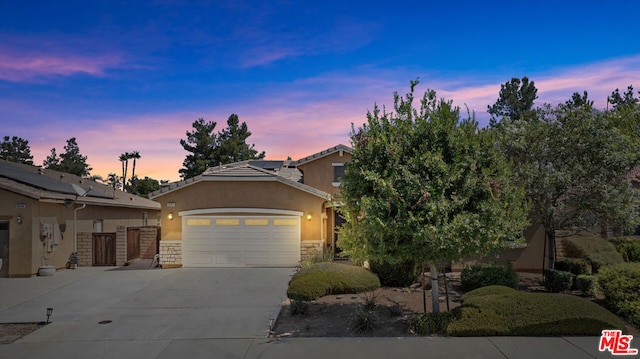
211, 313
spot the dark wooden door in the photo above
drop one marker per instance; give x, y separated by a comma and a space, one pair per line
104, 249
133, 243
4, 249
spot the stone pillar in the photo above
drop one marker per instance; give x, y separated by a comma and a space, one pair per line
171, 254
121, 245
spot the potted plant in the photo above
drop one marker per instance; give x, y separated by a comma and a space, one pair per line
73, 260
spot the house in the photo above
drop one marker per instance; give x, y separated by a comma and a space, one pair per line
46, 215
253, 213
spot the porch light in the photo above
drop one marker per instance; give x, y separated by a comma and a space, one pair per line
19, 219
49, 312
309, 216
170, 216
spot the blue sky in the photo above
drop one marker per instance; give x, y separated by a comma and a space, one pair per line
134, 75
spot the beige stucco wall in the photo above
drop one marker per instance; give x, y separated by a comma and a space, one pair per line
319, 172
242, 194
26, 249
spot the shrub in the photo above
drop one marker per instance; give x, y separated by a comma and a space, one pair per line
369, 300
325, 256
431, 323
363, 321
510, 312
401, 274
591, 247
482, 275
557, 281
587, 284
325, 278
628, 247
298, 307
620, 285
577, 266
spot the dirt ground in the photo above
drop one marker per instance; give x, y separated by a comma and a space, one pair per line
332, 315
10, 332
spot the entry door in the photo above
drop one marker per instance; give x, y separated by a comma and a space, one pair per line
4, 248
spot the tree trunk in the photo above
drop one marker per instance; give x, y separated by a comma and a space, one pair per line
551, 241
435, 296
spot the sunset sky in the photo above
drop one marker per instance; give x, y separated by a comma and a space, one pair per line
134, 75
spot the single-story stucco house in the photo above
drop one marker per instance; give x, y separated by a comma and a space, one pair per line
46, 215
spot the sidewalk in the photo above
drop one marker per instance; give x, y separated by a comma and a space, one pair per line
212, 313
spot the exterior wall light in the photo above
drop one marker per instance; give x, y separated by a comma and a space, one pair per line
309, 216
19, 219
170, 216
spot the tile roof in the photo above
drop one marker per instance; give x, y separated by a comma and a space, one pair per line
323, 153
38, 183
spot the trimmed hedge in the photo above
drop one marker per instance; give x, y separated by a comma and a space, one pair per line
557, 281
591, 247
402, 274
482, 275
628, 247
510, 312
587, 284
620, 285
577, 266
325, 278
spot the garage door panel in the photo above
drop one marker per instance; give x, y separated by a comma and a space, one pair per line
229, 241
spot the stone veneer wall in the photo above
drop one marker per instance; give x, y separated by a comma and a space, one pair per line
310, 249
121, 245
171, 254
85, 249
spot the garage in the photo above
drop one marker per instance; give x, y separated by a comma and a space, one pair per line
240, 240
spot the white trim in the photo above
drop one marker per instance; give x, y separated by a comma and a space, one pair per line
335, 184
336, 164
285, 212
170, 241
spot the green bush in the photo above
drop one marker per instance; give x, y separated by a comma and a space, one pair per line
628, 247
620, 285
401, 274
591, 247
557, 281
431, 323
510, 312
320, 279
363, 321
298, 307
577, 266
482, 275
587, 284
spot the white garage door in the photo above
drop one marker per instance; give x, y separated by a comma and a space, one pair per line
240, 241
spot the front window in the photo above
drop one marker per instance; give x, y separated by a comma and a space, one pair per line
338, 173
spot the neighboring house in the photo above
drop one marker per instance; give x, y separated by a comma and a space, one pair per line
253, 213
45, 215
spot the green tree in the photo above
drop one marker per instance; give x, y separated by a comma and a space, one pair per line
71, 161
515, 101
232, 143
135, 155
572, 161
16, 149
201, 143
425, 185
142, 187
113, 180
208, 149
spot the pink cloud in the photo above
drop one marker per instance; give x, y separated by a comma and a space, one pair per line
19, 65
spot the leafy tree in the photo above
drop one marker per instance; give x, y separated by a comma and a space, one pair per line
515, 101
113, 180
142, 187
572, 161
124, 159
16, 149
210, 149
625, 113
425, 185
71, 161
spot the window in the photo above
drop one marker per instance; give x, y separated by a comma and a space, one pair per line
145, 219
338, 173
97, 226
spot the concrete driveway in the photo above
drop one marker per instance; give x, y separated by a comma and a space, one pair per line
147, 309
